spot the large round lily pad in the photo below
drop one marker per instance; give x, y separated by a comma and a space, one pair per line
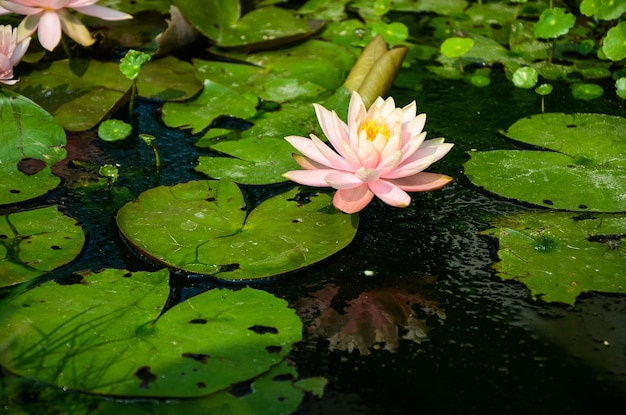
31, 142
584, 168
106, 335
36, 241
559, 255
202, 227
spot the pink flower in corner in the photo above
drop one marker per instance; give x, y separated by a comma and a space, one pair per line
11, 52
380, 151
49, 17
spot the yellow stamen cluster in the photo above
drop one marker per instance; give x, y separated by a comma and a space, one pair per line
372, 129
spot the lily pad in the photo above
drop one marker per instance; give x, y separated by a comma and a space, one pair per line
32, 142
80, 93
202, 227
106, 335
258, 155
272, 393
560, 255
36, 241
215, 100
267, 84
554, 22
168, 79
264, 27
251, 161
583, 169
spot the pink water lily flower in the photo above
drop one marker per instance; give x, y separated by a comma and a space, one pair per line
380, 151
50, 17
11, 52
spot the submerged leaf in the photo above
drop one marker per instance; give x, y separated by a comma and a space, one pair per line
560, 255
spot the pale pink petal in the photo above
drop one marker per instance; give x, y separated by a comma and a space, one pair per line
19, 51
411, 146
334, 159
343, 180
353, 200
390, 193
441, 148
49, 30
393, 144
75, 29
306, 163
356, 110
422, 182
409, 169
367, 153
4, 11
6, 71
22, 9
415, 126
316, 178
308, 149
80, 3
389, 163
409, 111
102, 12
334, 129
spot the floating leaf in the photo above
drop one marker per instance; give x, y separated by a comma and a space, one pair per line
252, 161
132, 62
35, 242
525, 77
106, 335
559, 255
79, 94
586, 91
272, 393
168, 79
544, 89
114, 130
603, 9
584, 171
202, 227
215, 100
554, 22
614, 43
455, 47
620, 87
259, 155
32, 142
264, 27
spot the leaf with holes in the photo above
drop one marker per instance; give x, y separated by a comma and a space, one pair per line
106, 335
583, 168
32, 142
36, 241
202, 227
276, 392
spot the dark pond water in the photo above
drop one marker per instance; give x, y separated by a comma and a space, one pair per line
490, 347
